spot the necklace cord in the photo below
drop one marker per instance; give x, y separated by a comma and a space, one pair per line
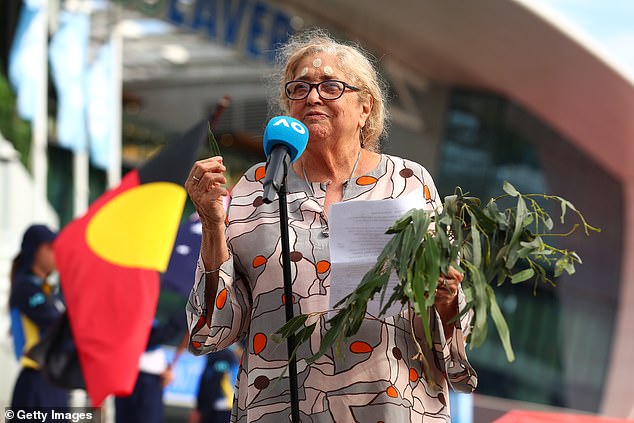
354, 169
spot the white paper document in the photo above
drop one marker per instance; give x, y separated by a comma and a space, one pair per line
357, 237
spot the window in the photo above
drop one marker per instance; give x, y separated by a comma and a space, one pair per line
561, 335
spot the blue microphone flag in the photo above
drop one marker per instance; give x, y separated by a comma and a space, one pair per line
287, 131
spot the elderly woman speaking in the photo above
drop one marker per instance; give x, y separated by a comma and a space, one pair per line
238, 293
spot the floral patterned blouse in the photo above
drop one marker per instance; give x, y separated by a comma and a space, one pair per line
373, 377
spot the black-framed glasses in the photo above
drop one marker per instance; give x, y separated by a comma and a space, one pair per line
330, 89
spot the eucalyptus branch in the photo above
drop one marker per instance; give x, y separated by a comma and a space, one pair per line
492, 246
570, 232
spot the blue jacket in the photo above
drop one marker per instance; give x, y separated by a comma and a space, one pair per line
34, 307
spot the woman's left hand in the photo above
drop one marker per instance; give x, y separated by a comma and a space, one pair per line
446, 301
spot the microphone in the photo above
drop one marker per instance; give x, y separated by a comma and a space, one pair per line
285, 139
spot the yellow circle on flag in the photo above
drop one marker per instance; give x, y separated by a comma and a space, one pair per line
137, 228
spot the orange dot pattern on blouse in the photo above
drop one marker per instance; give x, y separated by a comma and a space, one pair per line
322, 266
221, 299
427, 192
293, 300
196, 344
260, 173
366, 180
259, 261
413, 375
392, 392
259, 343
360, 347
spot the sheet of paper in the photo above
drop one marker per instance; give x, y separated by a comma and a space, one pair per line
357, 237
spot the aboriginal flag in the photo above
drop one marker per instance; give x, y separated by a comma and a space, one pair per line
109, 262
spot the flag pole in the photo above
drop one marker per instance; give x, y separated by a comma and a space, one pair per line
81, 175
39, 139
81, 163
113, 173
116, 42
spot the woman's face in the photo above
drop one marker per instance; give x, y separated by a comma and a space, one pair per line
328, 120
45, 258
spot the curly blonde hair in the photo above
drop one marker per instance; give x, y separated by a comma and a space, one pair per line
353, 60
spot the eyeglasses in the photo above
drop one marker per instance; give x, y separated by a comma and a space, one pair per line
327, 90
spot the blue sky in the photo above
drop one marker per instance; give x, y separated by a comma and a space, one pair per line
609, 22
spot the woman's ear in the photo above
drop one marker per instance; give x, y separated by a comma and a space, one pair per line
366, 108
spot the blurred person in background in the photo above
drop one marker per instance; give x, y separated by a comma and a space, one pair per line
216, 387
35, 304
145, 403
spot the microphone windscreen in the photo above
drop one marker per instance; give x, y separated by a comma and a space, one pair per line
287, 131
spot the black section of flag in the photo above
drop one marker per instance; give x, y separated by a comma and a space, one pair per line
170, 164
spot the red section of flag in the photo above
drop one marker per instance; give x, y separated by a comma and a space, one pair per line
110, 308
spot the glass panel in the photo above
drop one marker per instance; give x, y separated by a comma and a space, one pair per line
561, 335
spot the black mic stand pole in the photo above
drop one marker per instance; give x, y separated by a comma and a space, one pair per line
268, 196
288, 303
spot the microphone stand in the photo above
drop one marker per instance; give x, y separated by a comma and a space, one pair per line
288, 288
288, 303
